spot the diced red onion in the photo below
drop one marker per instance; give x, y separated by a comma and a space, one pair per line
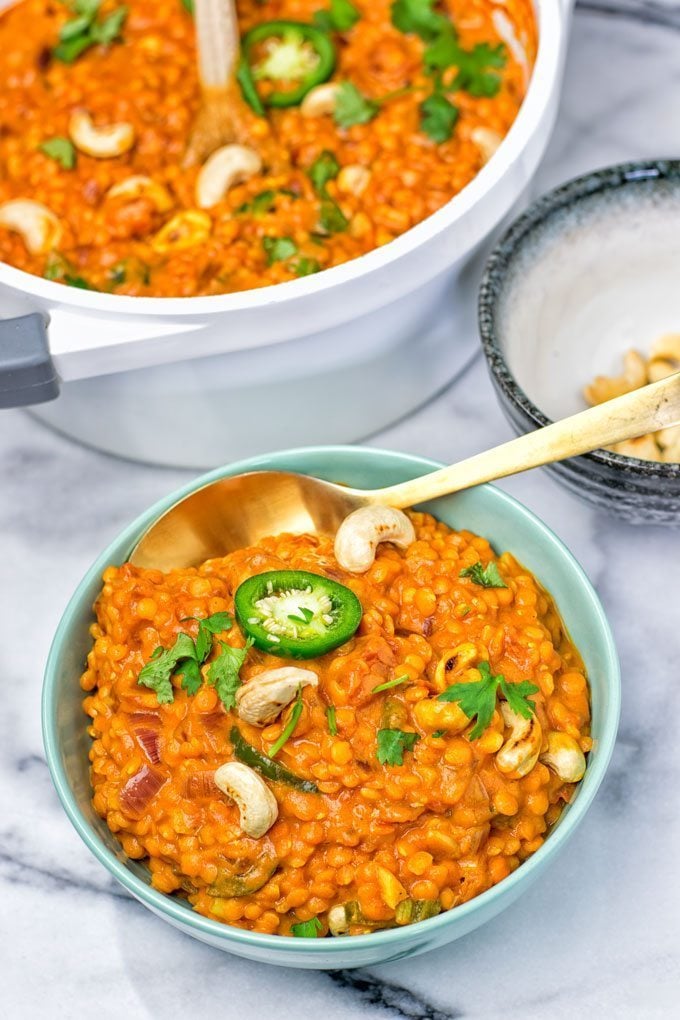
200, 784
140, 789
145, 726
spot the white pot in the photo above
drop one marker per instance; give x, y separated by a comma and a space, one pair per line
324, 359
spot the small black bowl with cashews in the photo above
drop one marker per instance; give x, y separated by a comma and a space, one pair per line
579, 303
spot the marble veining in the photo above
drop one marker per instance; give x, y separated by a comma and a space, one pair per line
600, 934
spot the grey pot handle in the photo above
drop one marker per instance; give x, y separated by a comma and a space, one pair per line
27, 372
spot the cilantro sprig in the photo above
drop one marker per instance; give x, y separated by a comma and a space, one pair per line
279, 249
477, 699
307, 929
391, 683
486, 576
391, 745
332, 721
86, 30
342, 16
223, 672
61, 150
184, 659
324, 169
476, 70
352, 106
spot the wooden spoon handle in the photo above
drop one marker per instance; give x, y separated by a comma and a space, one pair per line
217, 40
648, 409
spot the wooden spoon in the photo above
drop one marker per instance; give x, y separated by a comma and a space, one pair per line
223, 117
233, 513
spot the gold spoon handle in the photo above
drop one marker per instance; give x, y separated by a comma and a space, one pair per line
648, 409
217, 40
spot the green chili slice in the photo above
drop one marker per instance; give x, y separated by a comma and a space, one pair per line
266, 766
296, 614
291, 56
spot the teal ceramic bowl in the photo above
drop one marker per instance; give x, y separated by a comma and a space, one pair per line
485, 510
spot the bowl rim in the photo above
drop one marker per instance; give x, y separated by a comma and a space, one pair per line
570, 194
176, 910
552, 20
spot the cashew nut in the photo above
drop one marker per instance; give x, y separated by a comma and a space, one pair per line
100, 142
139, 186
256, 803
667, 347
660, 368
487, 141
605, 387
564, 757
186, 229
230, 165
520, 752
39, 228
264, 697
360, 534
320, 101
644, 448
353, 179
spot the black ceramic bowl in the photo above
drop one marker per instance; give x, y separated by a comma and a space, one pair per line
589, 271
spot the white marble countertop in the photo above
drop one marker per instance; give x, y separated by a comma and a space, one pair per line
600, 935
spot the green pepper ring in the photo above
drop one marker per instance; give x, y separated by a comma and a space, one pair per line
322, 44
297, 638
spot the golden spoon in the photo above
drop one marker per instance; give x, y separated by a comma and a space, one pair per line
236, 512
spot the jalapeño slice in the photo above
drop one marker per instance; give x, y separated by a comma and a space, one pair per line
296, 614
288, 57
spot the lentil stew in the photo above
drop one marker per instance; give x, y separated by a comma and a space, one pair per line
97, 105
393, 777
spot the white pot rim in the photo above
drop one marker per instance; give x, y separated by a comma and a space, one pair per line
551, 18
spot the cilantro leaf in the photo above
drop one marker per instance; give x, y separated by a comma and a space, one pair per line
61, 150
108, 30
190, 672
306, 267
488, 576
223, 672
331, 218
307, 929
332, 723
517, 696
418, 17
278, 249
392, 744
80, 33
342, 16
475, 70
160, 667
325, 168
77, 281
438, 117
214, 624
477, 699
352, 106
443, 51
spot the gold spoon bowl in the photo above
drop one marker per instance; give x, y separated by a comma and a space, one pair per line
233, 513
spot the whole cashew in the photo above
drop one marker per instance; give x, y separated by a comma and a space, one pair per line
186, 229
256, 803
660, 368
564, 757
353, 179
360, 534
667, 347
320, 101
604, 387
100, 142
264, 697
520, 752
39, 228
486, 140
139, 186
230, 165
